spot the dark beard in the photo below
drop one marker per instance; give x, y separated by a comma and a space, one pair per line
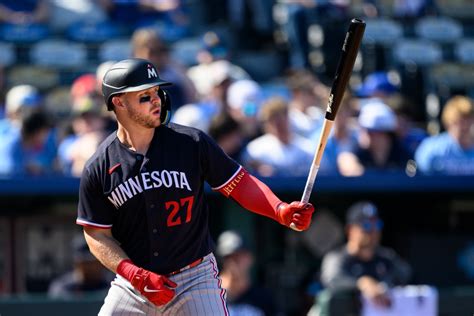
142, 119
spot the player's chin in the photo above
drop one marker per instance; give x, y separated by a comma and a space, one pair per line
153, 123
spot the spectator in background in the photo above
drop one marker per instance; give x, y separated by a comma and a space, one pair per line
31, 153
19, 100
306, 105
86, 278
410, 131
362, 263
244, 98
2, 92
343, 135
378, 85
211, 59
100, 73
147, 44
89, 125
451, 152
228, 135
212, 102
28, 141
244, 297
277, 152
25, 12
378, 147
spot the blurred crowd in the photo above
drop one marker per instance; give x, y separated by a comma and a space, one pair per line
271, 129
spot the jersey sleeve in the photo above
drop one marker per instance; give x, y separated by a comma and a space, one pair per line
218, 168
94, 209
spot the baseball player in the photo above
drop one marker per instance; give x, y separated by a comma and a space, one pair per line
142, 203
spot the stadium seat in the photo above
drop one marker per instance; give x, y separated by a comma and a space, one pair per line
23, 33
88, 32
117, 49
382, 31
414, 58
419, 51
439, 29
7, 54
58, 54
464, 51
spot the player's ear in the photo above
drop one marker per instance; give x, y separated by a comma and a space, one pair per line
117, 101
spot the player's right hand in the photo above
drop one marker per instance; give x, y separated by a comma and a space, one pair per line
296, 215
158, 289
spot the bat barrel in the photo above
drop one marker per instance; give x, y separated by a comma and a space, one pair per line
347, 59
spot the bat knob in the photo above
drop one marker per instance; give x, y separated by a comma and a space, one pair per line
293, 226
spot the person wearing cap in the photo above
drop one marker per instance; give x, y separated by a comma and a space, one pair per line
28, 138
236, 260
86, 278
379, 84
362, 263
143, 207
213, 65
88, 125
213, 88
378, 147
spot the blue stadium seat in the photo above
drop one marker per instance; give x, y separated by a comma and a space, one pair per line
90, 32
382, 31
58, 53
116, 49
464, 51
23, 33
419, 51
439, 29
7, 54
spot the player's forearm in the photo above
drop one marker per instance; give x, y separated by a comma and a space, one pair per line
255, 196
104, 247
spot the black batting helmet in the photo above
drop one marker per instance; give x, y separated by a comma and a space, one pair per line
134, 74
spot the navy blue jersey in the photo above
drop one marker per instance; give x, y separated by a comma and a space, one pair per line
155, 203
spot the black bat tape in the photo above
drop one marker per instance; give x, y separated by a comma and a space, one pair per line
344, 68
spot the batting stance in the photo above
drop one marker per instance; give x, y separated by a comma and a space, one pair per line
142, 203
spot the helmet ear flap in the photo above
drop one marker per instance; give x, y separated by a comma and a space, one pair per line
165, 106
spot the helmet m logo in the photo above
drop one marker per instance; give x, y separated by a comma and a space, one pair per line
152, 72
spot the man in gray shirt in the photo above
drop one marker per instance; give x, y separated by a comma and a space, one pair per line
362, 263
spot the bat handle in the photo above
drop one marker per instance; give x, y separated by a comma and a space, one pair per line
313, 171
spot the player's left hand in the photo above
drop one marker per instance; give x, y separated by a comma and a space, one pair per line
296, 215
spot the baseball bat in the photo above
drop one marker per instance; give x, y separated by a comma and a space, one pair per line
344, 68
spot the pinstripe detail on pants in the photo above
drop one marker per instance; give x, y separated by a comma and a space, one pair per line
199, 292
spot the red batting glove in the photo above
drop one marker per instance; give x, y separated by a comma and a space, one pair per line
296, 215
158, 289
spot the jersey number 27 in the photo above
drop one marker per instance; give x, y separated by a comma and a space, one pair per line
179, 209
